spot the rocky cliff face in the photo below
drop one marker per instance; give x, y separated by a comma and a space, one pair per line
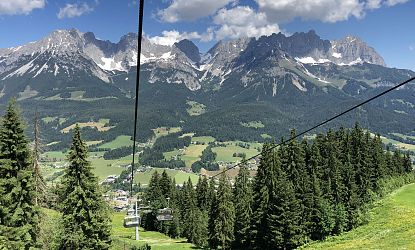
189, 49
69, 51
352, 49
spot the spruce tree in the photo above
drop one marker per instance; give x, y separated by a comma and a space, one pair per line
174, 229
165, 187
153, 197
321, 219
225, 214
294, 166
276, 218
285, 229
202, 189
39, 183
378, 161
351, 197
188, 205
211, 193
18, 213
407, 163
85, 215
154, 193
261, 196
243, 211
212, 199
198, 227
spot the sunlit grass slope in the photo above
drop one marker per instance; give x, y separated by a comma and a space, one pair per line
391, 226
125, 237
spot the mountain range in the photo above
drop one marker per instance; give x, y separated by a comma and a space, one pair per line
277, 81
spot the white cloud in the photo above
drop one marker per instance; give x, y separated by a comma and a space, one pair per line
411, 48
74, 10
170, 37
15, 7
373, 4
395, 2
190, 10
231, 20
323, 10
242, 21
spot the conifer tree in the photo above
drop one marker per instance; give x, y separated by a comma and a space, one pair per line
367, 166
295, 168
407, 163
351, 199
188, 206
194, 222
261, 195
154, 193
321, 219
39, 183
283, 217
198, 227
202, 189
174, 229
397, 161
389, 171
85, 217
276, 221
225, 214
334, 167
213, 243
154, 198
211, 193
18, 213
378, 161
243, 203
165, 186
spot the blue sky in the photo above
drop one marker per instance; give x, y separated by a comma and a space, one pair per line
385, 25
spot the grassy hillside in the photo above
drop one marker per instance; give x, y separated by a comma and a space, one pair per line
124, 237
391, 226
179, 176
120, 141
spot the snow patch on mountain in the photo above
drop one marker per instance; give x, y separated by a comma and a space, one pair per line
44, 67
56, 71
357, 61
310, 60
110, 64
22, 70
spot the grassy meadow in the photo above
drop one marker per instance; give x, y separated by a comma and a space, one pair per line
391, 226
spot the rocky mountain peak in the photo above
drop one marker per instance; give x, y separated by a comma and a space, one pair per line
353, 49
189, 49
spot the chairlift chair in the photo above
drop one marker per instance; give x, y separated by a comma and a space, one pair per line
131, 221
131, 211
165, 214
145, 209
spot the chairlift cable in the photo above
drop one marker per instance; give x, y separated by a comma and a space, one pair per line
137, 86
